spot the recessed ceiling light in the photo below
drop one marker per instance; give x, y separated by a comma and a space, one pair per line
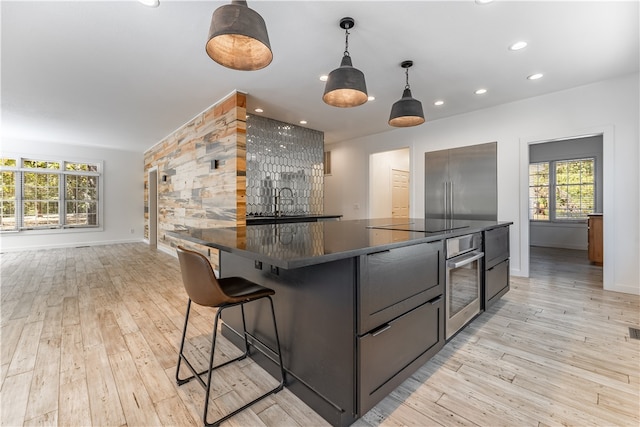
535, 76
518, 45
438, 103
480, 92
259, 110
150, 3
303, 122
371, 98
483, 1
324, 78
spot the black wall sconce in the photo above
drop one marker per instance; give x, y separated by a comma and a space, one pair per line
164, 178
215, 164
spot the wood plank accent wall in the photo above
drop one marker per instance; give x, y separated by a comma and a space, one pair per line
195, 194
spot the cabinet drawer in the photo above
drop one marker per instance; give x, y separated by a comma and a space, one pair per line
395, 281
496, 282
390, 354
496, 246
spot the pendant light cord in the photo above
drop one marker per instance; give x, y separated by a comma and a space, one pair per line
407, 74
346, 42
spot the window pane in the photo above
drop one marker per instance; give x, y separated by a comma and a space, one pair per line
40, 164
81, 192
539, 191
41, 197
89, 167
575, 189
8, 162
8, 215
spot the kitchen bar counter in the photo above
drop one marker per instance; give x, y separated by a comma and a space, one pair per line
295, 245
359, 303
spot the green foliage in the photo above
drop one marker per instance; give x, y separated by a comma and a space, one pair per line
574, 187
41, 193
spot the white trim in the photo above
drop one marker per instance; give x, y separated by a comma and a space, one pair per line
153, 216
69, 245
168, 250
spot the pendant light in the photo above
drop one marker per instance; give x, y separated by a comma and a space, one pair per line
238, 38
345, 86
407, 111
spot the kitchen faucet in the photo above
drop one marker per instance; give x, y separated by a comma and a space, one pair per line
278, 199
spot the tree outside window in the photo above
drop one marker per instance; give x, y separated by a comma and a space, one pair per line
38, 194
572, 184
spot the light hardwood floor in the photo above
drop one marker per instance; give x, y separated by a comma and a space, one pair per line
89, 337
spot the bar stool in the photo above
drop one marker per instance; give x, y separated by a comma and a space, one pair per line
205, 289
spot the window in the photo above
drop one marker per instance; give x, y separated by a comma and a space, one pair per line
562, 190
8, 195
539, 191
44, 194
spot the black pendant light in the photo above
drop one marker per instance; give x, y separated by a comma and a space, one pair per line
345, 86
238, 38
407, 111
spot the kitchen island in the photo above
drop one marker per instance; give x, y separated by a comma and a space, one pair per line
359, 303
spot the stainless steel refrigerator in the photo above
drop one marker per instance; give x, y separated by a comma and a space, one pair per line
462, 183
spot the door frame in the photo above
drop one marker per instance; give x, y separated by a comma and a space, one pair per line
608, 195
152, 179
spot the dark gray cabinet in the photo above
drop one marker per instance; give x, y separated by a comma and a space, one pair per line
393, 282
400, 317
391, 353
496, 256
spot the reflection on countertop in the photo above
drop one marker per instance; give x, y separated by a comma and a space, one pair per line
271, 219
292, 245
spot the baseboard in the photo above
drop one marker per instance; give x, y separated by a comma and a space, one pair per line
561, 246
625, 289
168, 250
515, 272
69, 245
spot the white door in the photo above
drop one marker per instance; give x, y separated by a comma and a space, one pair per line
399, 193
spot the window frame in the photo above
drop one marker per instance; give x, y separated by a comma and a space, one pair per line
552, 188
62, 172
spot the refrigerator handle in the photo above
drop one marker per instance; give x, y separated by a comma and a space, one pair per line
451, 200
445, 201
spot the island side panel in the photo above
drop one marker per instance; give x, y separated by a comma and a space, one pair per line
316, 316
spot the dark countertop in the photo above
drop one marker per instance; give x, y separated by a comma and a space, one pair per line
293, 245
251, 220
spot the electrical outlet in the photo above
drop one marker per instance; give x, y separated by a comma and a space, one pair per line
132, 231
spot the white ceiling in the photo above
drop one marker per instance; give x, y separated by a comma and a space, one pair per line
122, 75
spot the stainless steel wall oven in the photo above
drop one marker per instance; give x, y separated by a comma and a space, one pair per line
463, 281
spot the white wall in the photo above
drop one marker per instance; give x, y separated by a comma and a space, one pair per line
608, 107
123, 197
380, 189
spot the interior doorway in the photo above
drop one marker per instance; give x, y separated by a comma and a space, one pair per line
566, 183
389, 184
153, 207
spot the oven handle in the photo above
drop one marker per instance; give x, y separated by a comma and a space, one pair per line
467, 260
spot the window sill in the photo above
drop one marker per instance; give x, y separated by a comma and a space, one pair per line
66, 230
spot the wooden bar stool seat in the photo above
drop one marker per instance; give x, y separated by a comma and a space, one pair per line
203, 288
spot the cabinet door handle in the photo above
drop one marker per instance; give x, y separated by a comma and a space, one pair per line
435, 300
379, 252
381, 330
